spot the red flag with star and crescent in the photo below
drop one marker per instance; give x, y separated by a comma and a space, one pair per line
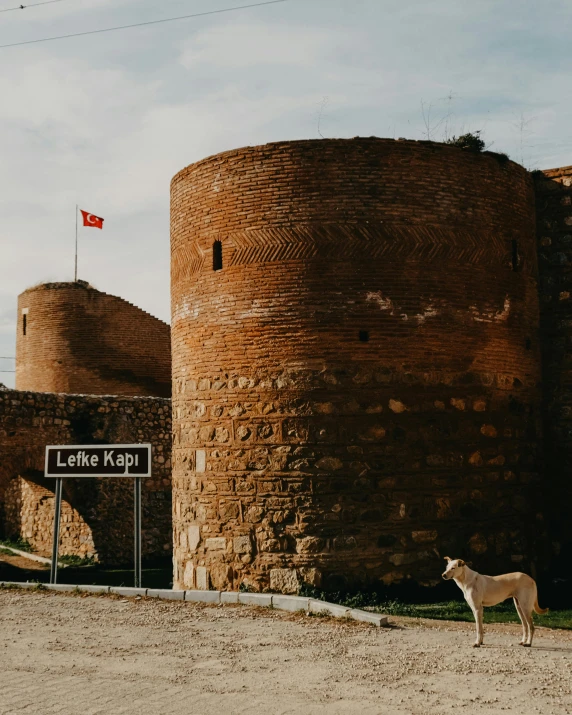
91, 220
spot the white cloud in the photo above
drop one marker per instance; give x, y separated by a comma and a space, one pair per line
241, 45
107, 120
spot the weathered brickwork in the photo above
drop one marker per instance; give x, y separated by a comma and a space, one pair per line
356, 390
72, 338
97, 514
554, 230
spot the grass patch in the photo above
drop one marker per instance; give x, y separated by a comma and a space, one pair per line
77, 561
454, 610
20, 544
459, 611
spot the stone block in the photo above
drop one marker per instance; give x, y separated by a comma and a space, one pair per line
229, 597
125, 591
242, 544
255, 599
309, 545
284, 580
189, 575
202, 579
166, 593
403, 559
329, 464
377, 619
200, 460
202, 596
332, 609
311, 576
422, 537
194, 536
290, 603
217, 543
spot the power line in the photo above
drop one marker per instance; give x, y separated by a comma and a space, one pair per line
7, 370
33, 4
7, 357
142, 24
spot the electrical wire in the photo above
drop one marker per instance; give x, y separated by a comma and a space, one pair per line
33, 4
142, 24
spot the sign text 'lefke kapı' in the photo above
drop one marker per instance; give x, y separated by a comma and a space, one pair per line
105, 460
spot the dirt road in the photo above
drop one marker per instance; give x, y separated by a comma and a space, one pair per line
85, 655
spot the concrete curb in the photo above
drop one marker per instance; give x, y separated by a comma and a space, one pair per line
332, 609
273, 600
126, 591
255, 599
166, 593
229, 596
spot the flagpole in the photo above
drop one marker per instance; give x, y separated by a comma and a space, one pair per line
75, 273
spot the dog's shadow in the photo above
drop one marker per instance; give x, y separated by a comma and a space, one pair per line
392, 626
549, 649
556, 649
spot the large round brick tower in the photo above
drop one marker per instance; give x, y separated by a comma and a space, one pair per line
355, 364
73, 338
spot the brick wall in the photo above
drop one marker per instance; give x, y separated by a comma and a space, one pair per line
356, 391
97, 514
554, 230
81, 341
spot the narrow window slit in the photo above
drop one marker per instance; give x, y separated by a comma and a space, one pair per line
515, 255
364, 336
24, 323
217, 256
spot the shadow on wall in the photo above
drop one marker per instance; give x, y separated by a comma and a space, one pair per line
97, 513
97, 516
553, 189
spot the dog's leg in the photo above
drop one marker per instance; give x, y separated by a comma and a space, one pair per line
527, 608
526, 604
523, 620
478, 614
480, 628
530, 629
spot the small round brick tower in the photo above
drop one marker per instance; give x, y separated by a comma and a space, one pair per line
355, 363
73, 338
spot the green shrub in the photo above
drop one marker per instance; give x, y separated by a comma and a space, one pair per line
76, 561
19, 543
470, 141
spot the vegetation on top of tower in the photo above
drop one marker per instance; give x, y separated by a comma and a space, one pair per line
471, 141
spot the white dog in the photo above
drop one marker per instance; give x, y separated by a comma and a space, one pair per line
482, 591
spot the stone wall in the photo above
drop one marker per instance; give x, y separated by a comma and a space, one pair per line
72, 338
356, 364
554, 229
97, 514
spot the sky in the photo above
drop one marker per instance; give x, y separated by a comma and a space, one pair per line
105, 120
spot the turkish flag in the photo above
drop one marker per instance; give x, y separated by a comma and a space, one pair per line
91, 220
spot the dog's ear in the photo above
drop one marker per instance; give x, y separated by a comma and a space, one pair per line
447, 558
460, 562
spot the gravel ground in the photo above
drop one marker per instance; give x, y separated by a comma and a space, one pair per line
84, 655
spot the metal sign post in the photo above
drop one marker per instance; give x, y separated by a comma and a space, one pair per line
57, 517
137, 523
98, 460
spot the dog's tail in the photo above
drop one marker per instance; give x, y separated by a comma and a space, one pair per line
537, 608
